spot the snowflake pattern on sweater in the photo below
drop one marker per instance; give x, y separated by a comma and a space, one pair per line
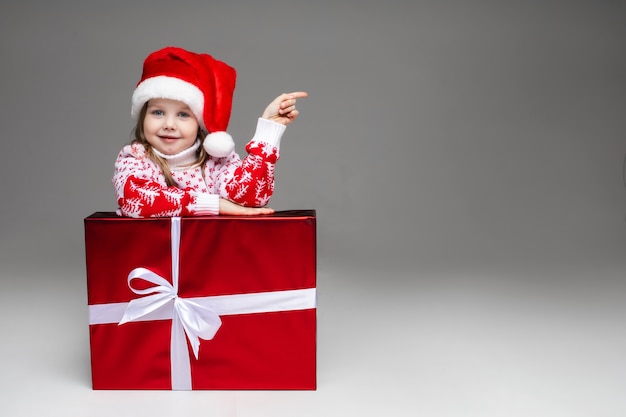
141, 189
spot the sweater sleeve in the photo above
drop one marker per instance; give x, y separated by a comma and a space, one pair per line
250, 182
141, 190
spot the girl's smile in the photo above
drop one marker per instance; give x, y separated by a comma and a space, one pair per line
169, 138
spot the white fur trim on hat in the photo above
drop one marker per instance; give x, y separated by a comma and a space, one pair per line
219, 144
171, 88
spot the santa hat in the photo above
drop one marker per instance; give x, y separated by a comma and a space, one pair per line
202, 82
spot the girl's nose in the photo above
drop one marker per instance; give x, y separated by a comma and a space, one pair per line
169, 123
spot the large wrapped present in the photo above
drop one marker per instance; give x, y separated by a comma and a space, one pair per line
223, 302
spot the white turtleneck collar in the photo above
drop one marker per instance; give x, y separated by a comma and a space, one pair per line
182, 159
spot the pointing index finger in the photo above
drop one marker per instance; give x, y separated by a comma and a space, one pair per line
298, 94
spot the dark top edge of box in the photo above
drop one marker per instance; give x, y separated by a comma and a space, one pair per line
277, 214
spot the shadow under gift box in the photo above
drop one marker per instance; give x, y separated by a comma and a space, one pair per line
255, 274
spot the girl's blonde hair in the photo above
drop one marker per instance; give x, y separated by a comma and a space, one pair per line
140, 137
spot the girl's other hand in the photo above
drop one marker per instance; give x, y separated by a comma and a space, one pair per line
283, 108
230, 208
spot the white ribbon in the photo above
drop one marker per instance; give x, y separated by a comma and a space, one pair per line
194, 318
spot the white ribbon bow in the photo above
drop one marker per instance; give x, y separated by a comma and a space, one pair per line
198, 322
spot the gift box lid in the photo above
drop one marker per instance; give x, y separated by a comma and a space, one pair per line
277, 214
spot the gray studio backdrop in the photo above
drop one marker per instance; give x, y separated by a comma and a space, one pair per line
442, 142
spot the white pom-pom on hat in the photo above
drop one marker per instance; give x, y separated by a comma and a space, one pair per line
219, 144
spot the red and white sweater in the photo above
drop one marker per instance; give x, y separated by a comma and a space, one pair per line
141, 189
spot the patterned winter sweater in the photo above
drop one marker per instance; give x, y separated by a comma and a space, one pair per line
141, 189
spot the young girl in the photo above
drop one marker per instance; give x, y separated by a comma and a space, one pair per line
182, 162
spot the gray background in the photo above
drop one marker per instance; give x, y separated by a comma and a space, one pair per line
464, 158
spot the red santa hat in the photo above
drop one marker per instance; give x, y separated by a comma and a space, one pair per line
202, 82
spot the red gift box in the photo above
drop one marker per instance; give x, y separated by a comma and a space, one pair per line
223, 302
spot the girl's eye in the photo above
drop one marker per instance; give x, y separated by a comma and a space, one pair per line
158, 112
183, 114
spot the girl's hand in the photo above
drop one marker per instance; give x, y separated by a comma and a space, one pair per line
283, 109
230, 208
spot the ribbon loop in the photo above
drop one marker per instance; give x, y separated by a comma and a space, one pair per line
162, 292
160, 283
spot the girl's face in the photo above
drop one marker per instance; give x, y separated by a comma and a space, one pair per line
169, 126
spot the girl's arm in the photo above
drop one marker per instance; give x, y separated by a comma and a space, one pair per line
251, 182
141, 190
